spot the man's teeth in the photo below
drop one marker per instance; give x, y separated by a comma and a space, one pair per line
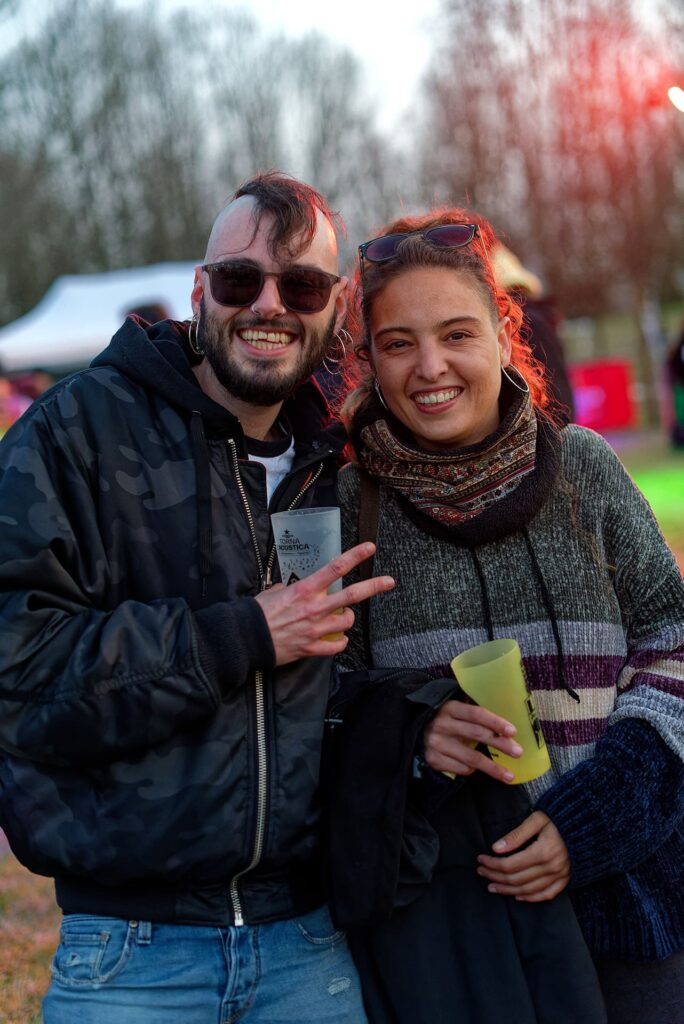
437, 397
266, 339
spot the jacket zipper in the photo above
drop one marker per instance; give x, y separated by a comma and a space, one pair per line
259, 694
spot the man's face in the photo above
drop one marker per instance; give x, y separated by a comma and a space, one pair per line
260, 354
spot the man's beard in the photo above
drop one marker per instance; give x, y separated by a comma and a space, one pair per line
260, 382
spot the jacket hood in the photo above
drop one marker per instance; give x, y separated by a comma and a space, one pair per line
158, 357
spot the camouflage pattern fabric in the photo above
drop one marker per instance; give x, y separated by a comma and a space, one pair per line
127, 756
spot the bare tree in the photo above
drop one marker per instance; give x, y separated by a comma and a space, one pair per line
91, 106
543, 113
552, 118
303, 112
135, 126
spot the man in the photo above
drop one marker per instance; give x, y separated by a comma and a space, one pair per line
162, 706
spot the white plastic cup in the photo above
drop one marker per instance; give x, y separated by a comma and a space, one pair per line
306, 539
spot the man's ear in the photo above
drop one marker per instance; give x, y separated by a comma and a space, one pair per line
197, 293
341, 302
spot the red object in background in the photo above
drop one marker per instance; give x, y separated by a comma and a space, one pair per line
603, 394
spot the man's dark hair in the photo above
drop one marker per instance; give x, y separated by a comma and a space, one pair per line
292, 205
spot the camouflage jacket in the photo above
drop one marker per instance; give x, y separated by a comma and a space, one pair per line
152, 759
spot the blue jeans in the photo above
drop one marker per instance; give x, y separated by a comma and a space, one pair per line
110, 971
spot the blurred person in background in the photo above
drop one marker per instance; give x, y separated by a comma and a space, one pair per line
32, 384
496, 521
540, 326
162, 705
13, 404
150, 312
675, 377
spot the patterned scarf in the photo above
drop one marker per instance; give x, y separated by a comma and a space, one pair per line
454, 486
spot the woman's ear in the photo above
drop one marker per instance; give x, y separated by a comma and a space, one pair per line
504, 332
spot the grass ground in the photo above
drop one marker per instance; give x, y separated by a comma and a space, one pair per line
29, 921
29, 924
658, 470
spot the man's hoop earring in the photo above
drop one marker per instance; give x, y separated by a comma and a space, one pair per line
378, 391
332, 363
192, 338
526, 389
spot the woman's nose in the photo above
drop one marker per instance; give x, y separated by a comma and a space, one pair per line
430, 362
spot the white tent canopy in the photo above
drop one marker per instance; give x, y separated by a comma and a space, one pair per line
80, 312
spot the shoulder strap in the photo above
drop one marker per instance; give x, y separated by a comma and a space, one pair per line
369, 514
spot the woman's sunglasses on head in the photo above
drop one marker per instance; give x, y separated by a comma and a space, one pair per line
446, 236
301, 290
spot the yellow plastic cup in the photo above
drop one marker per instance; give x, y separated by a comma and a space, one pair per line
493, 676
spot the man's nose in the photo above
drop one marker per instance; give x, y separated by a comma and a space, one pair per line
268, 303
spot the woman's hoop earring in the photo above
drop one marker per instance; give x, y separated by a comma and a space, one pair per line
192, 338
378, 391
526, 389
331, 363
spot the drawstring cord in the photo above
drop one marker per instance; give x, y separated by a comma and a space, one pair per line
203, 471
487, 609
552, 615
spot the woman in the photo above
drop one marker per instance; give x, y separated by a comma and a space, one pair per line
497, 524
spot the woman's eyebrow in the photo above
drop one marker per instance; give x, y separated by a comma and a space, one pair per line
440, 326
390, 330
459, 320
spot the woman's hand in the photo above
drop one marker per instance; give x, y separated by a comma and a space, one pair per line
301, 616
457, 728
539, 872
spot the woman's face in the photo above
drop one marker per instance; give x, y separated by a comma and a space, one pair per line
438, 356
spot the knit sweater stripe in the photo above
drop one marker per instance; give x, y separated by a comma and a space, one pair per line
659, 673
663, 683
578, 637
581, 672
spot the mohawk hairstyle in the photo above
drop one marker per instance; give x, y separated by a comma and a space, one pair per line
293, 207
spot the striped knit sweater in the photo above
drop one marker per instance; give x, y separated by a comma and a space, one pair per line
593, 595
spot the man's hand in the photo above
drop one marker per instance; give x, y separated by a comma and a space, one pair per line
301, 615
457, 728
539, 872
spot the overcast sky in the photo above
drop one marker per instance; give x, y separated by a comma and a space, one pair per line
392, 38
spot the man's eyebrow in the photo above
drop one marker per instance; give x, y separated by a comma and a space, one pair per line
440, 326
246, 261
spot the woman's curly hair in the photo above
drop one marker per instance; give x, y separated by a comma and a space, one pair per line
472, 260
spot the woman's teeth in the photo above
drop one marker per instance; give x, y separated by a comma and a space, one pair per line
437, 397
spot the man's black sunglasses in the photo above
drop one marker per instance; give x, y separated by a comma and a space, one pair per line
302, 290
445, 236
